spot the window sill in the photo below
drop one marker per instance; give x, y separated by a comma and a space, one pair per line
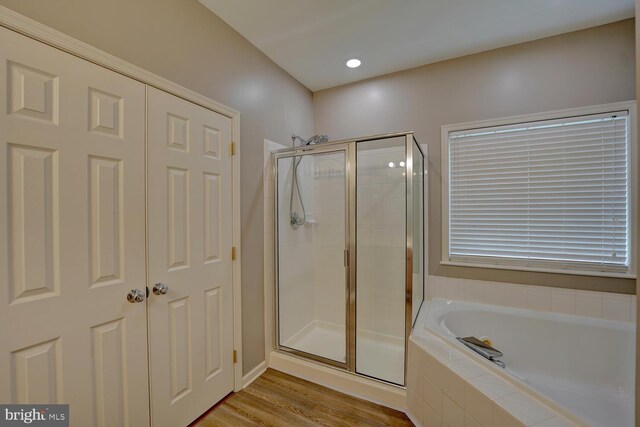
593, 273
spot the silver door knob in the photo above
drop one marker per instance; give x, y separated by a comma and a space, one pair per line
160, 288
135, 295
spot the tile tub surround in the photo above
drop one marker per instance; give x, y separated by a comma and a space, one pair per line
602, 305
571, 363
447, 388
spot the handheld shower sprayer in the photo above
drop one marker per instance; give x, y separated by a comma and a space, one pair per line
296, 219
315, 139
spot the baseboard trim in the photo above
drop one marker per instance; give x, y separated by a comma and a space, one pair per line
254, 374
413, 418
353, 385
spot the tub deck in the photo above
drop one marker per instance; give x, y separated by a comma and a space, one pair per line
538, 387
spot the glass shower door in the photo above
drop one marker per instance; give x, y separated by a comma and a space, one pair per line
381, 255
311, 239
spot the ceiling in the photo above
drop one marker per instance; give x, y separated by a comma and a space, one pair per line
312, 39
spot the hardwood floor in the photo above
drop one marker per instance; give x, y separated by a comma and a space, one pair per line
280, 400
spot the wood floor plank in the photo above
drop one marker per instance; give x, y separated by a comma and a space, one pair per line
282, 408
225, 417
280, 400
316, 413
271, 414
340, 408
367, 411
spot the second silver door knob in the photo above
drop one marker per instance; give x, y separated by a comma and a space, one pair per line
160, 288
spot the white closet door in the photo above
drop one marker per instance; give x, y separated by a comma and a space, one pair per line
72, 235
190, 225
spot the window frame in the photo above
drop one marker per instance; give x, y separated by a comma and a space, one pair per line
520, 265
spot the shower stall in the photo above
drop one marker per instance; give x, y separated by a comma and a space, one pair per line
349, 251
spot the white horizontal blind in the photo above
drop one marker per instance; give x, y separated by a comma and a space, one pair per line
551, 193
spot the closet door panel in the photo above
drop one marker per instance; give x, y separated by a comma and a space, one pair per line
190, 225
72, 221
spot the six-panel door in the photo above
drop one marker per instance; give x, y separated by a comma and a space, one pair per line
190, 239
72, 235
72, 229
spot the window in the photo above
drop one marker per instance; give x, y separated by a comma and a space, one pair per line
548, 192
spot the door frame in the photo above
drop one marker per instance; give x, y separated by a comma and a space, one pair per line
40, 32
350, 145
348, 148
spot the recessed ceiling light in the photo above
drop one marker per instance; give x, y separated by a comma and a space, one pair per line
392, 165
353, 63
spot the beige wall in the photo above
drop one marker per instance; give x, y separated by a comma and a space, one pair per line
593, 66
183, 41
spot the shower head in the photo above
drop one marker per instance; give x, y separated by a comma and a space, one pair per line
315, 139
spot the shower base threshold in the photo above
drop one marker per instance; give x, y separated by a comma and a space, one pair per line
377, 355
337, 379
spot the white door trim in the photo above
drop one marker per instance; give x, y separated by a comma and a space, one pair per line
30, 28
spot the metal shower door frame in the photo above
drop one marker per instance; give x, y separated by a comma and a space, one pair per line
294, 153
349, 147
412, 151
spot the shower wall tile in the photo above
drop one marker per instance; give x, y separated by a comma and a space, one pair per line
553, 422
469, 421
328, 228
477, 405
606, 305
563, 301
616, 307
296, 291
452, 414
456, 290
516, 295
495, 292
589, 303
430, 417
472, 292
525, 409
381, 241
431, 394
295, 287
539, 298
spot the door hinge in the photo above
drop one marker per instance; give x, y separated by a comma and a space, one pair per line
233, 148
233, 253
346, 257
235, 356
